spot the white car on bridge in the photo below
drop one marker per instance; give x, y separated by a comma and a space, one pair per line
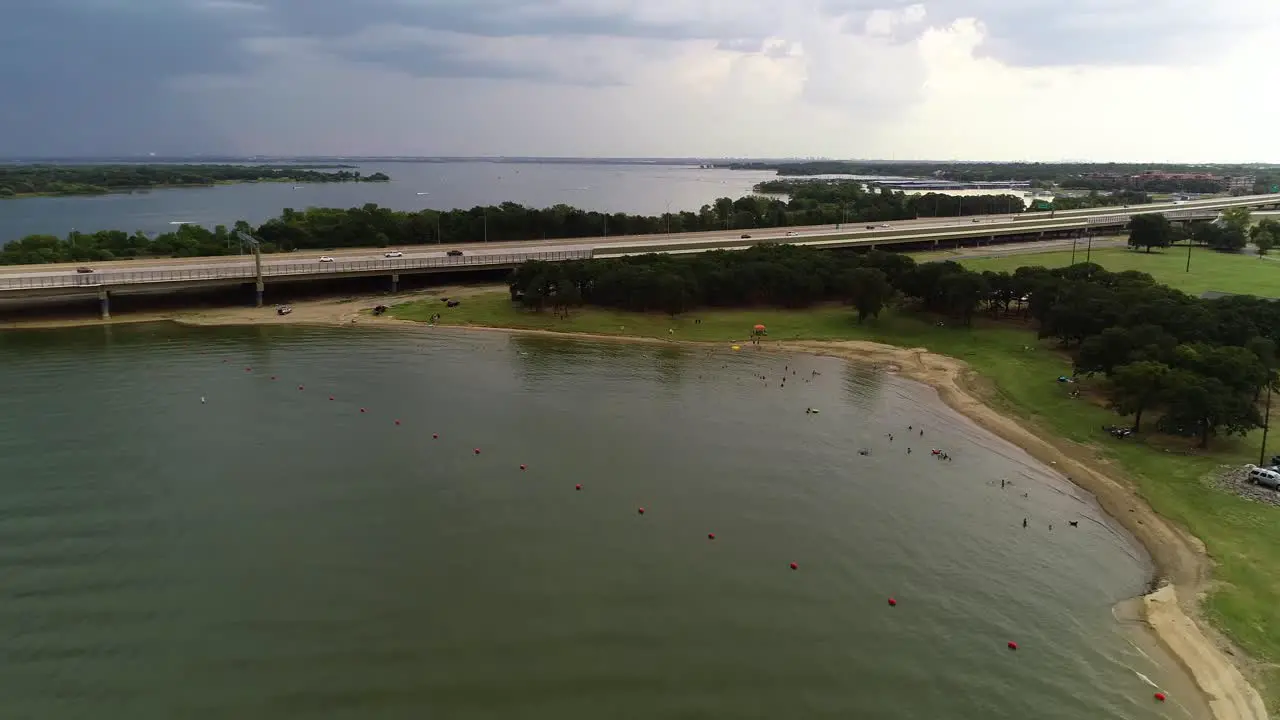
325, 258
393, 254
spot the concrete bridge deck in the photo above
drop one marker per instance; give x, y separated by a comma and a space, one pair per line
158, 275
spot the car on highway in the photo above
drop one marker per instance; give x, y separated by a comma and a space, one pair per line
393, 253
871, 227
791, 233
975, 220
746, 236
454, 253
884, 224
84, 269
325, 258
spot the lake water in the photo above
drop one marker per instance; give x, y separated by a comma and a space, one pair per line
274, 553
642, 189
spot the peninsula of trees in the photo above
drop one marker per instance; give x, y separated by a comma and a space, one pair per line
1199, 365
1067, 176
33, 180
373, 226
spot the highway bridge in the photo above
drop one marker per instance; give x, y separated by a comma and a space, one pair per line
33, 282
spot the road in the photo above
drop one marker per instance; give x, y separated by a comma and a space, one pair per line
300, 262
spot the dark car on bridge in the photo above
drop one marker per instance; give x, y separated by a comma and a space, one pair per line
454, 253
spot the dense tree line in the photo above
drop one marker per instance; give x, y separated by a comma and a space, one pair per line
1201, 364
374, 226
1082, 176
19, 180
836, 200
1095, 199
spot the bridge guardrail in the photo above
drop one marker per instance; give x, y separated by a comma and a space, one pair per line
247, 272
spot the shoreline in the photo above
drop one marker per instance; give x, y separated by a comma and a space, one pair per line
1182, 567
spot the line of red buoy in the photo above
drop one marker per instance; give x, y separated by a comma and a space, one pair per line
893, 602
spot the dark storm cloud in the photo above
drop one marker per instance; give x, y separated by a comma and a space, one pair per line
484, 18
87, 76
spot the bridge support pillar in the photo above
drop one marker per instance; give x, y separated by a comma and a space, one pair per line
104, 303
395, 282
258, 290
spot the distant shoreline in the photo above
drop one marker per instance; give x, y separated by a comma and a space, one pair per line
178, 186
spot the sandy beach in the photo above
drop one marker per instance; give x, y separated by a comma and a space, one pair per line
1183, 568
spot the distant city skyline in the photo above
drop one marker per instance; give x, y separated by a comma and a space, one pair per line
1154, 81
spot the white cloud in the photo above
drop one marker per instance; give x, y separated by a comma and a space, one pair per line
905, 80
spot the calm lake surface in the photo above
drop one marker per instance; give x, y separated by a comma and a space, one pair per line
643, 189
272, 553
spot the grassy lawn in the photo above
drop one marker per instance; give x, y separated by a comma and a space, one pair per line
1209, 270
1242, 537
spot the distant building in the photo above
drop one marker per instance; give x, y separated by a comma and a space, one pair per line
1157, 175
1243, 183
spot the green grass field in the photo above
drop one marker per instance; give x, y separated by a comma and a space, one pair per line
1242, 537
1209, 270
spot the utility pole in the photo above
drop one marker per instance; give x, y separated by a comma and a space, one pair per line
1188, 251
438, 239
1266, 424
1088, 250
486, 227
1073, 251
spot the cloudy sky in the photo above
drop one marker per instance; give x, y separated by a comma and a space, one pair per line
1172, 80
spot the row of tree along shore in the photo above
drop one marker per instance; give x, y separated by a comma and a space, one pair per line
1230, 233
373, 226
1202, 364
1147, 177
28, 180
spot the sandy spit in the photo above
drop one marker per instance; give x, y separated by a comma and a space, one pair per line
1182, 565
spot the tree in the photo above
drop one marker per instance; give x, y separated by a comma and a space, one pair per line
1199, 406
869, 290
1265, 235
1237, 219
1138, 386
1219, 237
1150, 230
963, 292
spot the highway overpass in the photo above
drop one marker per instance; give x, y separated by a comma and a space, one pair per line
31, 282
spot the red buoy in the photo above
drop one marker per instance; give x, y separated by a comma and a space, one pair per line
577, 487
477, 451
641, 511
711, 536
795, 566
893, 603
273, 377
397, 422
1013, 645
1160, 696
248, 369
522, 466
361, 409
435, 436
299, 387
